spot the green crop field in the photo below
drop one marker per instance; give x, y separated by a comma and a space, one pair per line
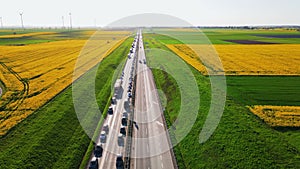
7, 36
264, 90
241, 140
223, 36
52, 137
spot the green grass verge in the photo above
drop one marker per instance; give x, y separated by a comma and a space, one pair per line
241, 140
52, 137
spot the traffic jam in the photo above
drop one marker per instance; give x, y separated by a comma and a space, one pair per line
121, 103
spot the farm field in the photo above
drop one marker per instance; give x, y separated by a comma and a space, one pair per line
254, 64
53, 136
242, 139
35, 73
226, 36
243, 59
278, 116
264, 90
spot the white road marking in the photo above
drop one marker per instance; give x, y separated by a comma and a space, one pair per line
162, 165
148, 148
154, 102
159, 123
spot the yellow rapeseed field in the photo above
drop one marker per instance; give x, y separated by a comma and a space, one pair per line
33, 74
278, 116
27, 34
243, 59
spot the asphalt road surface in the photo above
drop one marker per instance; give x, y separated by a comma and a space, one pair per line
111, 148
150, 147
150, 141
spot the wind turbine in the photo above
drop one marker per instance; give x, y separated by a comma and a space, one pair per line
70, 20
22, 23
63, 22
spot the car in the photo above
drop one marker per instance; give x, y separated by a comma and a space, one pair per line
119, 162
105, 128
94, 163
110, 111
124, 121
125, 114
98, 151
113, 100
129, 95
103, 137
123, 130
120, 140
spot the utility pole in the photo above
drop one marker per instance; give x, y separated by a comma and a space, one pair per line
22, 23
63, 22
70, 20
1, 22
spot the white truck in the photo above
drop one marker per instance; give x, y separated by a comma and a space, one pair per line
118, 90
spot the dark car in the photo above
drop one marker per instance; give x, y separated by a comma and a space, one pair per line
110, 111
123, 130
119, 162
98, 151
124, 121
113, 100
94, 163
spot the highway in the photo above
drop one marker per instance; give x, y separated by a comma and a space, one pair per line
150, 148
111, 148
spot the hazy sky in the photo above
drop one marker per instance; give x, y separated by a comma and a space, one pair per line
196, 12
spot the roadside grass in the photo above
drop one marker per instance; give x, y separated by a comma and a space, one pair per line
241, 140
264, 90
52, 137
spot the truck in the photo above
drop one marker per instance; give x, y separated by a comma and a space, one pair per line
118, 89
